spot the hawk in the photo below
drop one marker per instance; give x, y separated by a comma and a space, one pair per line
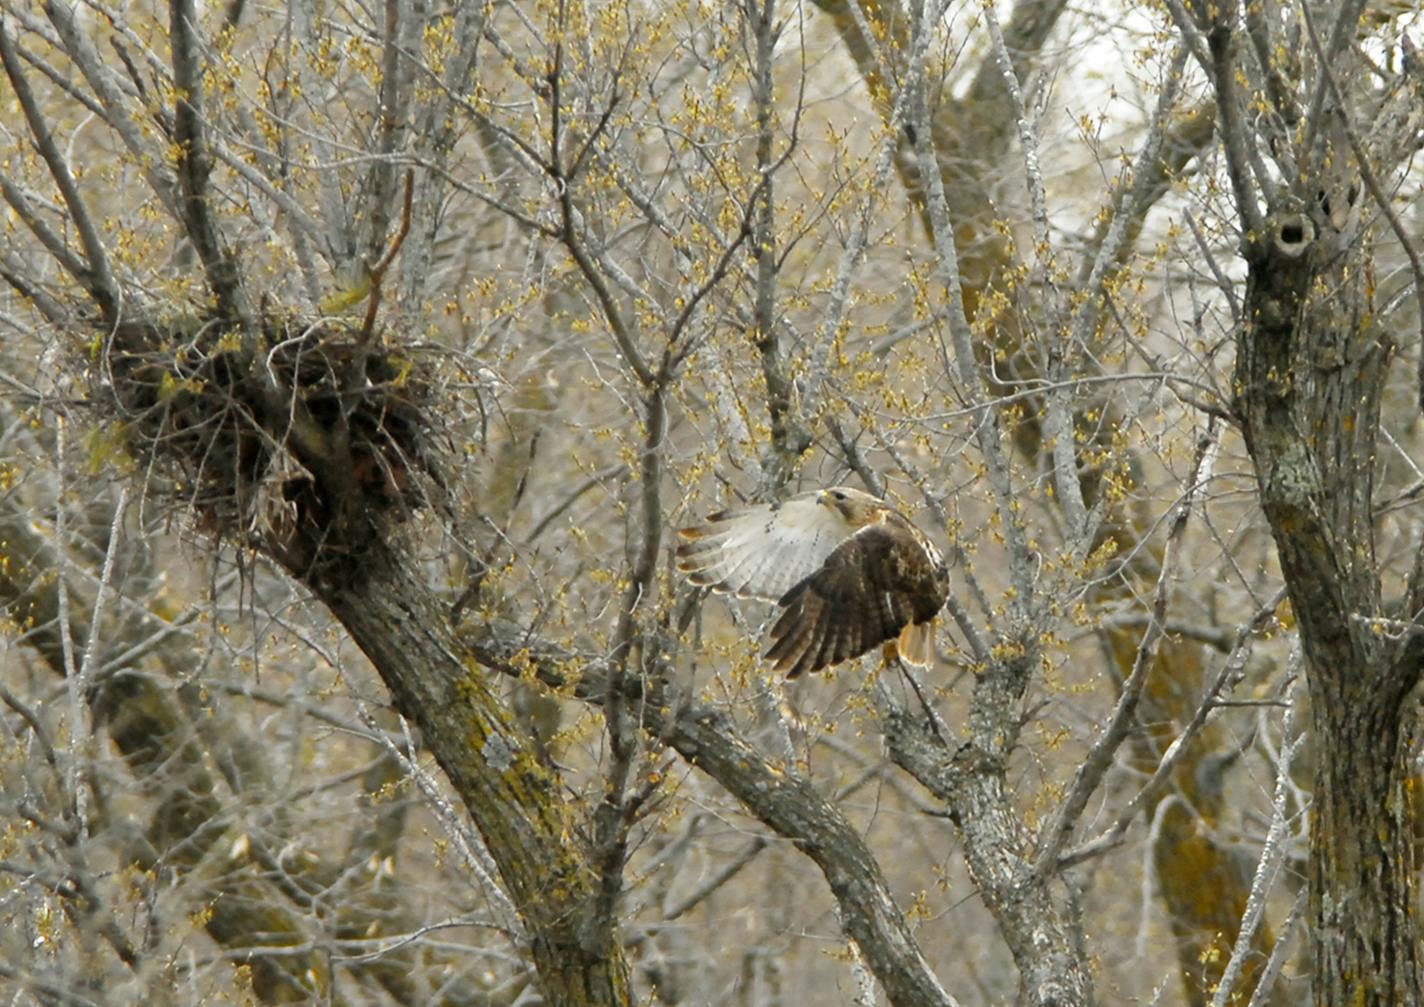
848, 571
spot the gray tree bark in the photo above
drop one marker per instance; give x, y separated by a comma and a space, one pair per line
1310, 371
1311, 368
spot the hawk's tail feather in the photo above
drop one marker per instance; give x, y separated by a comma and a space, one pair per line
917, 645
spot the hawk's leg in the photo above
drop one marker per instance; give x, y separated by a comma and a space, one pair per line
891, 653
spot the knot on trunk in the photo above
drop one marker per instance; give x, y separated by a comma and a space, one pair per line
1291, 234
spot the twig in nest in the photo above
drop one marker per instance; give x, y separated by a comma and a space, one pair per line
379, 272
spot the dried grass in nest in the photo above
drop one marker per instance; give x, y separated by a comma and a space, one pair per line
308, 445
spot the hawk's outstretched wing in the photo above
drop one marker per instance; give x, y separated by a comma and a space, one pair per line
764, 550
883, 583
849, 573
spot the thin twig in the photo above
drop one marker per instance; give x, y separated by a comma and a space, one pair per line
477, 858
569, 233
718, 879
612, 472
378, 272
112, 92
965, 365
833, 314
54, 244
394, 118
75, 804
36, 725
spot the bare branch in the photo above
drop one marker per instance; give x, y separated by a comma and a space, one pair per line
1342, 34
987, 435
394, 116
1090, 772
378, 272
1265, 988
110, 89
1232, 670
1232, 128
573, 240
195, 167
1268, 865
1381, 198
27, 212
98, 275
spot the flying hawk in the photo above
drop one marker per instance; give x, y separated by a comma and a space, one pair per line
848, 571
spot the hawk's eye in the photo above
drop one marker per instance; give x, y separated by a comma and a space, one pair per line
838, 494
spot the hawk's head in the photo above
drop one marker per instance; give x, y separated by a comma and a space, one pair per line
856, 508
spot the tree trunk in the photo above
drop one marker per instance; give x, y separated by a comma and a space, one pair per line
1365, 936
1053, 971
1310, 369
515, 801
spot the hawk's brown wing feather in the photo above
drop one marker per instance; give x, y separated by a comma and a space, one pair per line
875, 584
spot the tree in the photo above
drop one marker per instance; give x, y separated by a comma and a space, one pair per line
1311, 368
365, 360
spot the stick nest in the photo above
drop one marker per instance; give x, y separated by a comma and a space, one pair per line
308, 441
